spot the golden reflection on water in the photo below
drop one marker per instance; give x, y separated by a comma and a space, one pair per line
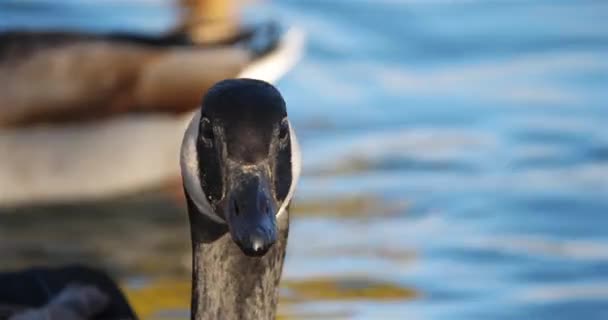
147, 236
349, 206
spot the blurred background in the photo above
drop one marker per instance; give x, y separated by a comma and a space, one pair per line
455, 163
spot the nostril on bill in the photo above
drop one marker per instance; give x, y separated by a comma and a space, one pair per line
236, 207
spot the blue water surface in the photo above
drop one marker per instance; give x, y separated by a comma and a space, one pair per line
488, 118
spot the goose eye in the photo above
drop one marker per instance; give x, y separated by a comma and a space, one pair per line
206, 132
284, 130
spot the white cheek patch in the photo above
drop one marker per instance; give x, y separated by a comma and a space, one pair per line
190, 175
296, 168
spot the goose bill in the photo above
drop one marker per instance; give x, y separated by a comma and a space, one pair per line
250, 208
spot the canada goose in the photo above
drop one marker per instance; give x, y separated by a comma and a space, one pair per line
75, 104
67, 293
240, 164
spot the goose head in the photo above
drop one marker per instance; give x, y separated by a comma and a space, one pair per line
240, 161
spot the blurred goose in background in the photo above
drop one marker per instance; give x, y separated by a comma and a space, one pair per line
68, 293
74, 105
240, 164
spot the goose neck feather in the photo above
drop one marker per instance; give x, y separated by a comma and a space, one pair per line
226, 284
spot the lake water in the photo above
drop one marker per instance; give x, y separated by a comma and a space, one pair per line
455, 165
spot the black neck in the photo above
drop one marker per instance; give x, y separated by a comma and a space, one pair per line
226, 284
